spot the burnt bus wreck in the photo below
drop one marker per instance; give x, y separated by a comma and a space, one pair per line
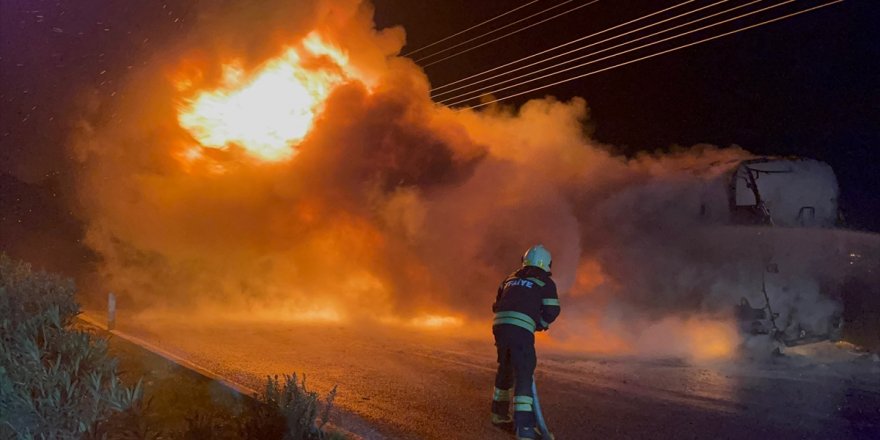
786, 209
784, 192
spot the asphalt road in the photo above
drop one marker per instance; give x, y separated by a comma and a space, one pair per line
424, 385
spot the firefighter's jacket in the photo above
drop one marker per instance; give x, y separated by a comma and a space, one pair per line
527, 299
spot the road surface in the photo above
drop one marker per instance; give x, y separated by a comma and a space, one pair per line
424, 385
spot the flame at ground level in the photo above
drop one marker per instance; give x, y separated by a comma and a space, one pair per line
694, 339
700, 339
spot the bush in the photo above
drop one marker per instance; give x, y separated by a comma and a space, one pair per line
287, 410
55, 382
294, 408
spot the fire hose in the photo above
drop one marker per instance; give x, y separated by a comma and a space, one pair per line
539, 416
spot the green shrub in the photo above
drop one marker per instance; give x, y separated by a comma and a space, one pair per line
287, 410
55, 382
295, 407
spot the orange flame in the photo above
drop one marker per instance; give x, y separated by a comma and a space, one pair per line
437, 321
712, 339
268, 111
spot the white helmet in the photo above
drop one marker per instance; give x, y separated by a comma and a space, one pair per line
538, 256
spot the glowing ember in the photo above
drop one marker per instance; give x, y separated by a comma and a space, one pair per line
266, 112
437, 321
292, 312
713, 340
426, 321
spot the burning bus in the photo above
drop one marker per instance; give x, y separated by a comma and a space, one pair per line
788, 208
783, 192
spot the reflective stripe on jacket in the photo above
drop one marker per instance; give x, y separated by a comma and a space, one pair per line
527, 299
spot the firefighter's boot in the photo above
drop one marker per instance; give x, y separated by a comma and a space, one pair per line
502, 422
525, 417
501, 409
526, 433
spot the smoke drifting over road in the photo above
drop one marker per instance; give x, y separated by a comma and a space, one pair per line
396, 209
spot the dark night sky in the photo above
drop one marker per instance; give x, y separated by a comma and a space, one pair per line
809, 86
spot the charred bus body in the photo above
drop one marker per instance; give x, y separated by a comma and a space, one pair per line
784, 192
805, 262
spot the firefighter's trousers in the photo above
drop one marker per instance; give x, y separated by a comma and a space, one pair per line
516, 367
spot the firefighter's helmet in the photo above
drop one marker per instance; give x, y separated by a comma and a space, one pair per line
538, 256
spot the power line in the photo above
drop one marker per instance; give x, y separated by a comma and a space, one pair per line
561, 46
578, 49
557, 72
617, 46
510, 33
494, 30
705, 40
470, 28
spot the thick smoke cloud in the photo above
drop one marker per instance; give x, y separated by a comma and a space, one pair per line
395, 208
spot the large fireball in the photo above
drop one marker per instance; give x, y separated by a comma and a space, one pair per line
268, 111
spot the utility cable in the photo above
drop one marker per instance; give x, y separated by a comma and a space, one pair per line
578, 49
562, 63
560, 46
508, 34
431, 55
557, 72
705, 40
470, 28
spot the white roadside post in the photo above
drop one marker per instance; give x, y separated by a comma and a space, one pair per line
111, 311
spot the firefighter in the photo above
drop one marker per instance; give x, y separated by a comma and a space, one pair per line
526, 302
